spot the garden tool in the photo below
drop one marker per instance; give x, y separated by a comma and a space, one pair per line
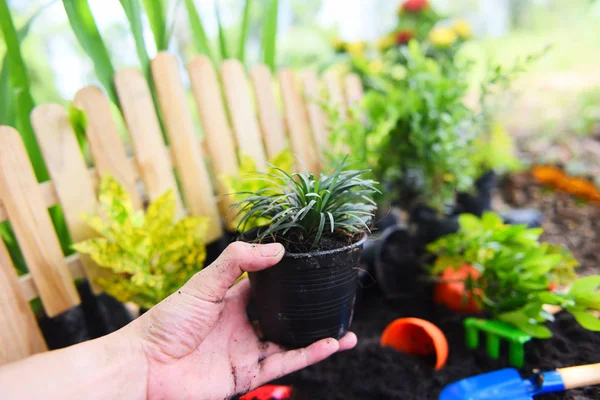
508, 384
494, 331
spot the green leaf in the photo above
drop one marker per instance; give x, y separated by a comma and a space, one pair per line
469, 222
86, 31
222, 38
20, 86
586, 319
133, 11
160, 213
244, 31
199, 37
269, 39
585, 285
115, 200
157, 16
79, 122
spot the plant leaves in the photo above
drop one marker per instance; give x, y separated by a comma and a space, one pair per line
244, 31
586, 319
157, 16
585, 285
86, 31
199, 37
269, 39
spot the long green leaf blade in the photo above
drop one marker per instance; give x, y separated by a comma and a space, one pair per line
19, 81
133, 11
222, 38
200, 39
87, 34
244, 31
270, 35
157, 16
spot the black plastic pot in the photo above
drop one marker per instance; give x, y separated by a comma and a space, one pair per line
397, 267
480, 201
307, 296
96, 316
429, 226
214, 249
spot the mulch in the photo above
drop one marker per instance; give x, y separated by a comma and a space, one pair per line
372, 372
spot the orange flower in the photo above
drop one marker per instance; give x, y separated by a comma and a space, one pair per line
547, 175
414, 6
404, 36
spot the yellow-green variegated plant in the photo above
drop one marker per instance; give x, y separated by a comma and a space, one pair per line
248, 183
149, 255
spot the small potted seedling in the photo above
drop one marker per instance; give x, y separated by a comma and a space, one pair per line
322, 222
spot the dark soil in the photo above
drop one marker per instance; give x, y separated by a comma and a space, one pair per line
567, 220
372, 372
295, 241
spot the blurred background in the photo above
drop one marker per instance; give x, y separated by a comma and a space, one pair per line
558, 97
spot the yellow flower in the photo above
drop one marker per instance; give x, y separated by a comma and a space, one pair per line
463, 29
442, 37
356, 49
386, 42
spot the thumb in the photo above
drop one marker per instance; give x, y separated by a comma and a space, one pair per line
213, 282
178, 324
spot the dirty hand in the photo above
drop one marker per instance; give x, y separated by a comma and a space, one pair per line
199, 344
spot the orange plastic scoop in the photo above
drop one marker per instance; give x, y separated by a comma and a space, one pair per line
417, 336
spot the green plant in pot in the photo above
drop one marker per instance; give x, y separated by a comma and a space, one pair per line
248, 182
515, 274
146, 256
322, 223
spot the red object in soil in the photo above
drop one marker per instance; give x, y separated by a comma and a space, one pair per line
404, 36
451, 290
413, 6
269, 392
417, 336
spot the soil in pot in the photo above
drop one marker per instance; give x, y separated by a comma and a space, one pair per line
308, 296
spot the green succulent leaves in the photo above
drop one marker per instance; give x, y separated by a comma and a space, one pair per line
311, 206
148, 255
247, 182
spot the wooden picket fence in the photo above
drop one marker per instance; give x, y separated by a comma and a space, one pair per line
246, 114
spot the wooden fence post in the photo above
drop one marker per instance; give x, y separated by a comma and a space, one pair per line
33, 228
187, 154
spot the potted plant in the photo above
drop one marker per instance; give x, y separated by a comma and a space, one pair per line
146, 256
426, 154
322, 223
514, 275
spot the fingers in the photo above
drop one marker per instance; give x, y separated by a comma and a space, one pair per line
280, 364
213, 282
348, 341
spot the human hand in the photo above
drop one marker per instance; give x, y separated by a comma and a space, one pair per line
199, 344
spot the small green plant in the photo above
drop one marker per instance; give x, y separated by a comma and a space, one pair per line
517, 272
433, 129
247, 183
148, 256
355, 135
304, 207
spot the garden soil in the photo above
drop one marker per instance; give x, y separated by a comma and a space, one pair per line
372, 372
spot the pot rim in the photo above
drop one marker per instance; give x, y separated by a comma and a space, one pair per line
358, 243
